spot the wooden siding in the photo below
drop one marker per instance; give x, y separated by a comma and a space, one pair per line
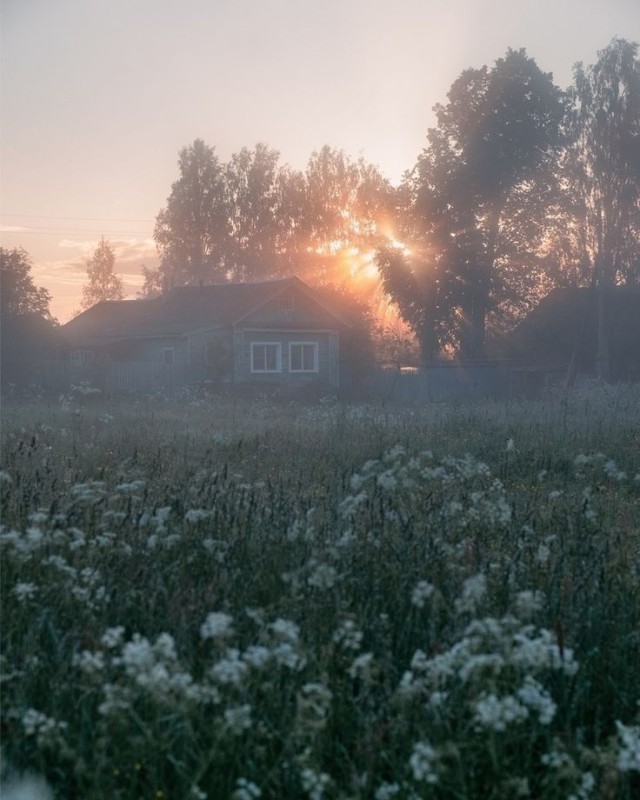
327, 355
304, 312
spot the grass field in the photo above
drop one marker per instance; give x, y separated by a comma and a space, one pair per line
219, 598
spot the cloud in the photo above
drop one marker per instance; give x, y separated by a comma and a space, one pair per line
126, 250
12, 229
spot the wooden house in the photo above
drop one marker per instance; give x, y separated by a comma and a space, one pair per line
276, 332
563, 330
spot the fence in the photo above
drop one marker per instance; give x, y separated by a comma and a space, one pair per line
457, 381
114, 377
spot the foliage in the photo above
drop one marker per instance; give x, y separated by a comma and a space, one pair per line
191, 229
253, 219
602, 167
18, 293
476, 204
104, 283
194, 607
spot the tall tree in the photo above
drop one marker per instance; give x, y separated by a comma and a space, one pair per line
104, 283
603, 163
346, 206
191, 231
256, 244
603, 169
18, 293
476, 197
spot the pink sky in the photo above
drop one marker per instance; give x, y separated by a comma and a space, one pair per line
98, 98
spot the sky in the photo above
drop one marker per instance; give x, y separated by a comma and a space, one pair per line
97, 97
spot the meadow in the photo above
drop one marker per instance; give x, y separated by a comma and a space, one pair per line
219, 597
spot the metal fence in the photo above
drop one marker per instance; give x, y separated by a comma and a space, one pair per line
114, 377
457, 381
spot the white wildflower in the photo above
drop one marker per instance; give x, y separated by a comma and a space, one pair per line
238, 719
628, 747
314, 783
285, 629
348, 636
421, 592
361, 666
24, 591
536, 698
26, 787
323, 577
386, 791
286, 655
113, 637
555, 759
216, 625
473, 591
246, 790
88, 662
583, 791
195, 515
44, 729
529, 602
230, 670
497, 713
421, 762
256, 656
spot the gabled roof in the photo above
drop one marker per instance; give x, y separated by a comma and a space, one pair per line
566, 320
180, 311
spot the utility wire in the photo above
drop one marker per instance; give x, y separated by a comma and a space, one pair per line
84, 219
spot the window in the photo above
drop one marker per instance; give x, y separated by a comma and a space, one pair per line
167, 356
265, 357
303, 357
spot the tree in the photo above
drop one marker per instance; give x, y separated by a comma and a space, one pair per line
191, 232
346, 205
256, 245
19, 295
104, 283
602, 168
153, 285
476, 203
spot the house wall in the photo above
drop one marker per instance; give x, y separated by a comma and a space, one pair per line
211, 355
291, 308
326, 340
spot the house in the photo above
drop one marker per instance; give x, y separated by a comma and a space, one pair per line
277, 332
27, 342
562, 330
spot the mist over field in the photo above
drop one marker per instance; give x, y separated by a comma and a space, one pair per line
216, 596
320, 396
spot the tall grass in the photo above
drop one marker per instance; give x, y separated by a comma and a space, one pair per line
223, 598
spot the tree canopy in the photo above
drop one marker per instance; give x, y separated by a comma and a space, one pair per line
475, 203
18, 293
104, 283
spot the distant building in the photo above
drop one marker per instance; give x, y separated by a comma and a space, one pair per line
563, 331
276, 332
28, 342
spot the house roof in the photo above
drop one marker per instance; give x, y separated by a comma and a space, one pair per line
180, 311
567, 320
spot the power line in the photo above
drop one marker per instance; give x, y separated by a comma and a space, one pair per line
27, 231
80, 219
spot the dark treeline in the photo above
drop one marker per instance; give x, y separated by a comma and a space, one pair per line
521, 187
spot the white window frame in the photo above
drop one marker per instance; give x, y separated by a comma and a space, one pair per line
278, 348
316, 359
